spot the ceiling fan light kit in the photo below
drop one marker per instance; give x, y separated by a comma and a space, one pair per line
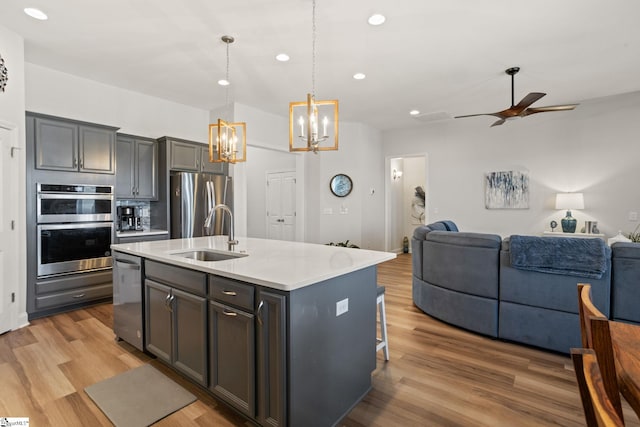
523, 108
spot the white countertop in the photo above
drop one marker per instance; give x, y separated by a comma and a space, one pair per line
273, 263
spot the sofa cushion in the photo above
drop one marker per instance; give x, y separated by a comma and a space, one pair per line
551, 291
466, 311
464, 262
625, 278
542, 327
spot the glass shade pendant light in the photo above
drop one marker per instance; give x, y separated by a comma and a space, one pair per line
227, 141
313, 124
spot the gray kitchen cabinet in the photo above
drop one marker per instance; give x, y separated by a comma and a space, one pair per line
193, 157
232, 356
176, 318
271, 357
137, 168
65, 145
66, 292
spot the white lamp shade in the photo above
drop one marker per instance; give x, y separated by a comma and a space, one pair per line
569, 201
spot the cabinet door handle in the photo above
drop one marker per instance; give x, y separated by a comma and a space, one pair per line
81, 163
259, 312
75, 162
229, 313
167, 301
230, 293
79, 296
123, 263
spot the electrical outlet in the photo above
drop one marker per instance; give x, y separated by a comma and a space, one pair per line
342, 307
633, 216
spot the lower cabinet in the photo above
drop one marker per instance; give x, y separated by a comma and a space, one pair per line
232, 356
176, 329
272, 358
224, 334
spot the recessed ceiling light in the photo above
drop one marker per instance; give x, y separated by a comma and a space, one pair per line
223, 82
414, 112
359, 76
376, 19
282, 57
36, 13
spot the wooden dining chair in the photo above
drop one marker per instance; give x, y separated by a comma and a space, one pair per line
595, 333
598, 408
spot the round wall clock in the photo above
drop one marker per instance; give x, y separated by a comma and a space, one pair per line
341, 185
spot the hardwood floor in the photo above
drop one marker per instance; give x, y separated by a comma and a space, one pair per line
438, 375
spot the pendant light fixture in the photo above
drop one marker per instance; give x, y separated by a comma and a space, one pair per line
313, 125
227, 141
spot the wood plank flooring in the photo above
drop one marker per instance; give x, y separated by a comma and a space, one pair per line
438, 375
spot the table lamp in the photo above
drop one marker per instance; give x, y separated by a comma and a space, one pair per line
569, 201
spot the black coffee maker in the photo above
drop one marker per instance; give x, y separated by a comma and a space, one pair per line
129, 219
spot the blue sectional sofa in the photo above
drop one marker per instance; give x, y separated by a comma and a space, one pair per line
469, 280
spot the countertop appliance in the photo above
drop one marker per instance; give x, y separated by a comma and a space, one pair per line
74, 228
193, 195
127, 299
129, 218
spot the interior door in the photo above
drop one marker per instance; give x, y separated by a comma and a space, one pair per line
281, 205
8, 233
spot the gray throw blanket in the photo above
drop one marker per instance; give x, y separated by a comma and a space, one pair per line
560, 255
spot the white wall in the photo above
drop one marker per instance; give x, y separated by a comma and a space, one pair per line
359, 217
593, 149
12, 106
262, 161
53, 92
359, 156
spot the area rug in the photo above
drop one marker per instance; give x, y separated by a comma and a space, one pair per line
138, 397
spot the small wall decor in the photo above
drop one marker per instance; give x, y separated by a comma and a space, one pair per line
4, 74
506, 190
417, 206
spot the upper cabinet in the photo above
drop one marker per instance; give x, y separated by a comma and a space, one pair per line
137, 160
192, 157
65, 145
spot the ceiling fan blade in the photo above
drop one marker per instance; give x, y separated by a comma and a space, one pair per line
476, 115
499, 122
550, 108
527, 100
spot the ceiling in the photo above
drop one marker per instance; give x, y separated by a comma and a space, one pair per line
444, 58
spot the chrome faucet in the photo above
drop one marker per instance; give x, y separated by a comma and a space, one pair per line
208, 223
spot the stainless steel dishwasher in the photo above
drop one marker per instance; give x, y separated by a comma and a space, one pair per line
127, 299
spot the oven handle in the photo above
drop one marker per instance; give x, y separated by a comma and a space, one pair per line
75, 196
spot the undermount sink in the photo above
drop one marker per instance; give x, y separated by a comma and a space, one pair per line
206, 255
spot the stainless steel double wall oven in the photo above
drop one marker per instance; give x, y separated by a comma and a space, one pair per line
74, 228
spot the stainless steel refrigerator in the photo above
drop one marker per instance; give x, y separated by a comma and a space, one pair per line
192, 197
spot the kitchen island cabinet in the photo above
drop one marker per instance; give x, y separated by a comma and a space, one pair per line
176, 318
291, 326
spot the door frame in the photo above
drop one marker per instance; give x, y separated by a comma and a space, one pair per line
17, 211
388, 181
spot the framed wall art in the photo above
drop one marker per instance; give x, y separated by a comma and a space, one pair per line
506, 190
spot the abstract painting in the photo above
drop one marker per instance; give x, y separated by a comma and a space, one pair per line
506, 190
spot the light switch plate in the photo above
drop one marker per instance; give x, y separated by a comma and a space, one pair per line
342, 306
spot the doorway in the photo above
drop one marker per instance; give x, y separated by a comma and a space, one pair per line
281, 205
407, 199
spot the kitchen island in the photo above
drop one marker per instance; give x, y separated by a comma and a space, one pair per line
284, 332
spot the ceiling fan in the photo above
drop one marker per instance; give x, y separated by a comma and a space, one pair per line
522, 109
